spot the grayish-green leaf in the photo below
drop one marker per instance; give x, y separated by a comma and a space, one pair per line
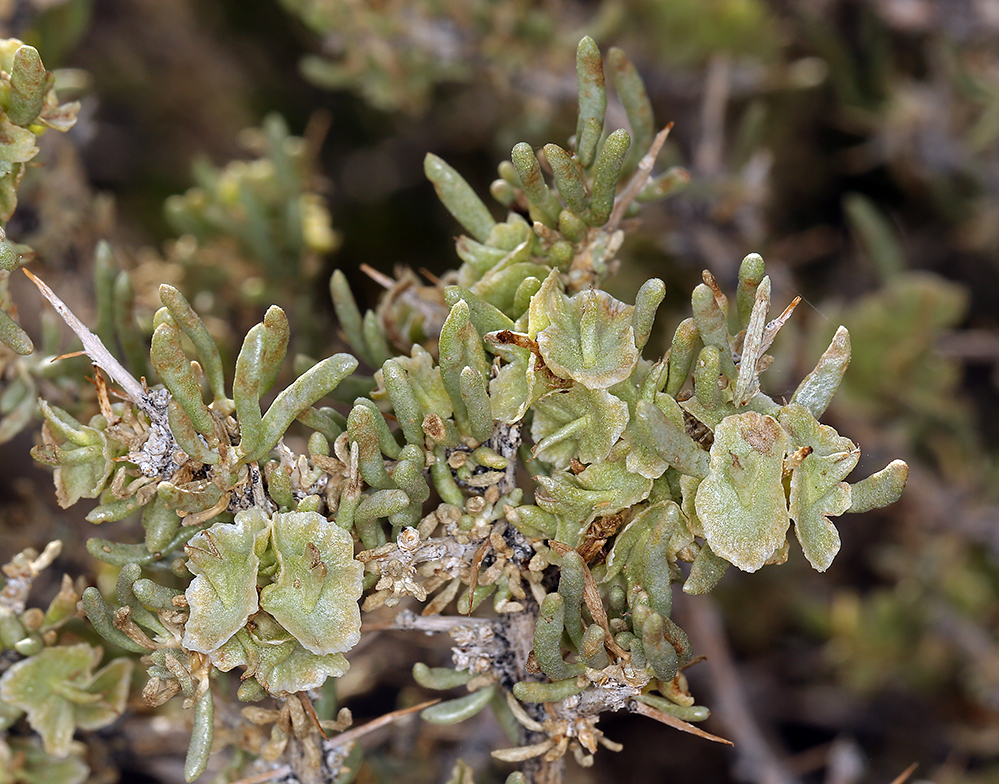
821, 459
741, 503
223, 593
880, 489
579, 422
59, 691
316, 590
589, 337
817, 388
592, 100
459, 198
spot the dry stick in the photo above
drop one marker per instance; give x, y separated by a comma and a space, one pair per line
708, 156
474, 581
359, 732
267, 775
379, 277
407, 620
94, 347
674, 722
773, 327
902, 777
21, 573
519, 634
637, 181
765, 766
342, 740
311, 711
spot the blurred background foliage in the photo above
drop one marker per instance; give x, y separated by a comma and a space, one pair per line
241, 153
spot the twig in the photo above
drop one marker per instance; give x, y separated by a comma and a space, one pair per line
902, 777
267, 775
708, 156
354, 734
762, 763
674, 722
92, 344
407, 620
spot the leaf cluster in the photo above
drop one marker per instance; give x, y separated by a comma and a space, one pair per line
513, 444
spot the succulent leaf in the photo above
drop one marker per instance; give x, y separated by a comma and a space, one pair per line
577, 499
59, 691
818, 491
817, 388
278, 662
83, 455
880, 489
577, 423
223, 593
316, 589
589, 337
741, 502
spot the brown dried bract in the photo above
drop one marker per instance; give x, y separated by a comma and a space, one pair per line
593, 550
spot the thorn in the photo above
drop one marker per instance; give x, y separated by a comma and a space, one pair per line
379, 277
93, 346
430, 276
902, 777
69, 355
679, 724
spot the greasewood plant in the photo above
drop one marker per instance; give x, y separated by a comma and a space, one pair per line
500, 456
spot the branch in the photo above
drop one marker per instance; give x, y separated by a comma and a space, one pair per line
95, 349
762, 763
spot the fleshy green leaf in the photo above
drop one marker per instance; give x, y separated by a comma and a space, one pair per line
817, 388
318, 583
458, 197
32, 99
577, 499
24, 760
880, 489
818, 491
425, 381
517, 385
278, 661
59, 692
17, 144
223, 593
741, 503
592, 99
83, 456
580, 422
590, 337
12, 335
657, 443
